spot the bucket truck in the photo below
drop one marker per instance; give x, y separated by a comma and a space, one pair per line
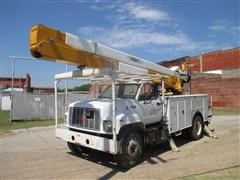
142, 106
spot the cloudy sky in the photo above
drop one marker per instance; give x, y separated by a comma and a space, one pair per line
154, 30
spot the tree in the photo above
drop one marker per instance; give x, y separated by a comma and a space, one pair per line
84, 87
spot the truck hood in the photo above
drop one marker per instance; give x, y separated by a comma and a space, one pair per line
123, 108
92, 103
100, 103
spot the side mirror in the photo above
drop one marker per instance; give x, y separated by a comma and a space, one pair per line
159, 102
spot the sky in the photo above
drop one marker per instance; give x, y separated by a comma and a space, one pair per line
154, 30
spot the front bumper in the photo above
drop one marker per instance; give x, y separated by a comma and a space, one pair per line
91, 141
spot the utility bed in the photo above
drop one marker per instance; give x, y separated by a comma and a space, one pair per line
182, 108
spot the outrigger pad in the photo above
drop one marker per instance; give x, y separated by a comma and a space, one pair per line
209, 132
173, 145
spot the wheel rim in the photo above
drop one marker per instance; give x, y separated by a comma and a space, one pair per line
199, 128
132, 149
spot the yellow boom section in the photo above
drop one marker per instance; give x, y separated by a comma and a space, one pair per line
50, 44
53, 45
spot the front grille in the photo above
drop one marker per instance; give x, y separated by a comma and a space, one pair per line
86, 118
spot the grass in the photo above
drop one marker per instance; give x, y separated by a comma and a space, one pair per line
233, 173
218, 112
6, 126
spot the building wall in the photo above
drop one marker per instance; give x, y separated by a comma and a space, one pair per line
17, 82
225, 91
229, 59
42, 90
7, 82
225, 88
176, 62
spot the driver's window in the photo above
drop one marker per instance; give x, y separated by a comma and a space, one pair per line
146, 92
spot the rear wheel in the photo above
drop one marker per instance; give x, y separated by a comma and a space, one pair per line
131, 148
196, 131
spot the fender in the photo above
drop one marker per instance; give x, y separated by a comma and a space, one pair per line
137, 127
197, 114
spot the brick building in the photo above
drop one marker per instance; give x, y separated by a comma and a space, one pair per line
217, 60
6, 82
215, 73
23, 83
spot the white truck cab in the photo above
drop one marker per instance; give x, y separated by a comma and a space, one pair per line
134, 103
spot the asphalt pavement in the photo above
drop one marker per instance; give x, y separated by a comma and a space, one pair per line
36, 154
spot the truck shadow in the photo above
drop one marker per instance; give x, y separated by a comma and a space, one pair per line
151, 155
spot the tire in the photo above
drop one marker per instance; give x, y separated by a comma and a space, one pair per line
74, 148
196, 131
130, 151
85, 150
77, 149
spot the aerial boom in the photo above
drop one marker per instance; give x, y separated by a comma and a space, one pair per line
53, 45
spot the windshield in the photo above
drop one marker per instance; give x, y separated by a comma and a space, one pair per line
121, 91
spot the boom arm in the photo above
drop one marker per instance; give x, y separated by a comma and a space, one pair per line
50, 44
53, 45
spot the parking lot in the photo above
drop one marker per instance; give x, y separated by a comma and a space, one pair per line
36, 154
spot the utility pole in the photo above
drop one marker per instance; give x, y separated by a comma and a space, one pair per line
66, 89
14, 58
13, 72
201, 62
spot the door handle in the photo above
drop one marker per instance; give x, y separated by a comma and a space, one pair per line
133, 106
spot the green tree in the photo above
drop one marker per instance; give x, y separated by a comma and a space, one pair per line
84, 87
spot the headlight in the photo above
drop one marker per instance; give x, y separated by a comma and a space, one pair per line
107, 125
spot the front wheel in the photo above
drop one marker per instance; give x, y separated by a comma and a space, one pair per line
196, 131
74, 148
77, 149
130, 150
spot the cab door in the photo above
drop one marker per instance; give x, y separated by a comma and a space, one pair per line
148, 105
